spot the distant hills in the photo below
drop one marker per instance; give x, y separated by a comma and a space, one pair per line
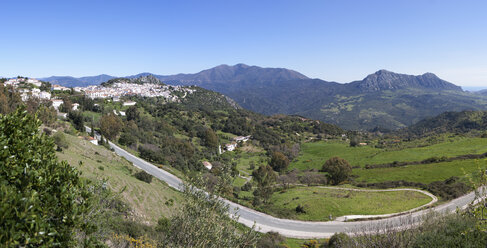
68, 81
383, 99
449, 122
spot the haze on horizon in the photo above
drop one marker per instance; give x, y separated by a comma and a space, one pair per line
338, 41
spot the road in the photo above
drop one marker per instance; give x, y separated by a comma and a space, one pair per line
293, 228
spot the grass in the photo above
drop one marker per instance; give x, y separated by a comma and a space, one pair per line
320, 203
314, 155
424, 173
149, 201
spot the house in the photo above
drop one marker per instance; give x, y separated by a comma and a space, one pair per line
116, 99
93, 140
56, 103
241, 138
75, 106
362, 144
129, 103
231, 147
59, 87
207, 164
45, 95
35, 82
122, 113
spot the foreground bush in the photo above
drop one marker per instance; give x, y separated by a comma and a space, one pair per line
42, 200
143, 176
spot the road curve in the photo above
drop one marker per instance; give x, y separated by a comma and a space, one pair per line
294, 228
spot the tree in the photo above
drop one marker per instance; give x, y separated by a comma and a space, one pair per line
338, 169
132, 113
210, 138
60, 140
77, 119
279, 161
354, 142
265, 178
46, 114
9, 99
110, 126
287, 179
92, 129
45, 86
41, 200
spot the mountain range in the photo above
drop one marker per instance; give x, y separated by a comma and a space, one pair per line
383, 99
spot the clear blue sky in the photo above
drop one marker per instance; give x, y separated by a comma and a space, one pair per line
333, 40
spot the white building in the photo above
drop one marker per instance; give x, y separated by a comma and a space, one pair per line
207, 165
75, 106
93, 141
56, 103
35, 82
45, 95
129, 103
230, 147
241, 138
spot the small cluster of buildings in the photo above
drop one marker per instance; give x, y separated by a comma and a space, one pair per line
234, 144
131, 89
28, 87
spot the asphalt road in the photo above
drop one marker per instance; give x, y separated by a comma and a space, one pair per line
294, 228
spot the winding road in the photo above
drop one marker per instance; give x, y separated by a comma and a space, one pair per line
294, 228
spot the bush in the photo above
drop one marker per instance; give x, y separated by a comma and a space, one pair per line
300, 209
42, 200
271, 240
337, 240
246, 187
143, 176
338, 169
279, 161
60, 140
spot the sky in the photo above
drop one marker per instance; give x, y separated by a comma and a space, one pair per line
332, 40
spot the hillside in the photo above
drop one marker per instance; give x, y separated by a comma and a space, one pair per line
449, 122
148, 201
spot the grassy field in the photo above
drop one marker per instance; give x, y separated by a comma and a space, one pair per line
149, 201
424, 173
314, 155
319, 203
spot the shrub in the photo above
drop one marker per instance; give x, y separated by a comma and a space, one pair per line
60, 140
42, 200
270, 240
247, 186
300, 209
337, 240
143, 176
338, 169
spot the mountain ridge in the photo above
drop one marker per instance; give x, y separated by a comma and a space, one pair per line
382, 99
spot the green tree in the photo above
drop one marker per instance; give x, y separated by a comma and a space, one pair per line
60, 140
46, 114
132, 113
41, 200
110, 126
9, 99
279, 161
265, 178
210, 138
338, 169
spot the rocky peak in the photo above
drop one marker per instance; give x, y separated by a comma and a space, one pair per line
387, 80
